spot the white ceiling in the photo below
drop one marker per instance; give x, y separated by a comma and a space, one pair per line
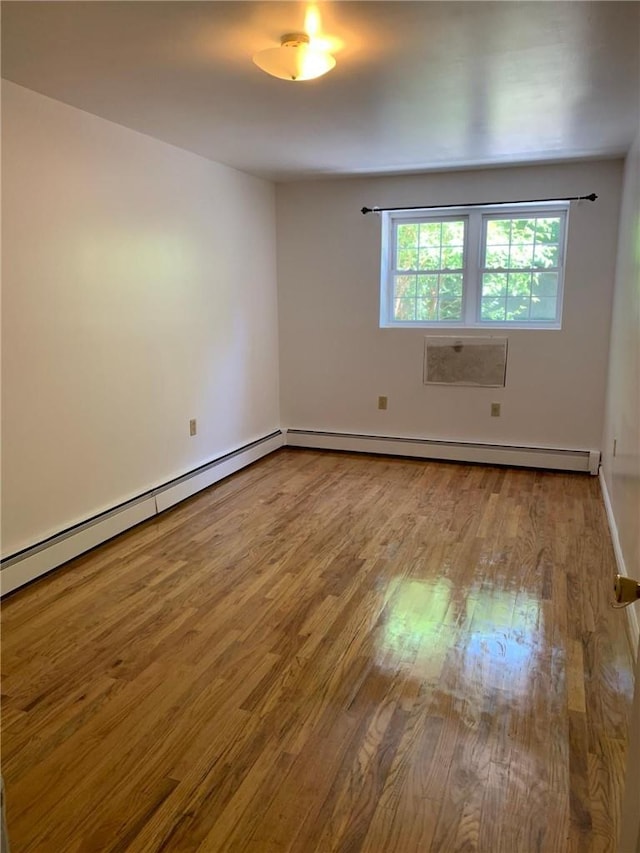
418, 85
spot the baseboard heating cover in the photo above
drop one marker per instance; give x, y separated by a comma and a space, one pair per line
24, 566
455, 451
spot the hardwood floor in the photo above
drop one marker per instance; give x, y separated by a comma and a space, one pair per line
327, 652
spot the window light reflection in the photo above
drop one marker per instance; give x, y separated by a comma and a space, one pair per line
494, 634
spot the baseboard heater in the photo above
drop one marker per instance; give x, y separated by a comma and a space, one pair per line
36, 560
586, 461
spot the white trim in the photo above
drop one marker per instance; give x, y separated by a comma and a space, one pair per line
632, 613
40, 559
492, 454
475, 220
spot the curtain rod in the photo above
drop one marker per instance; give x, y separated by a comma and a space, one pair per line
591, 197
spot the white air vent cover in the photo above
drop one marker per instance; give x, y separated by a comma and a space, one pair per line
481, 362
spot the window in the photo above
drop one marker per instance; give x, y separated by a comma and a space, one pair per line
492, 266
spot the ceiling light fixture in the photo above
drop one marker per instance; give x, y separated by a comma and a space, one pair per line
296, 59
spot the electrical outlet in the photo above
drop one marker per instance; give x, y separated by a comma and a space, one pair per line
193, 427
495, 410
382, 402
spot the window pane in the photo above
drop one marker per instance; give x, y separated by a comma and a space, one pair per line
404, 309
429, 259
407, 259
498, 231
545, 284
451, 285
450, 309
428, 309
533, 243
517, 308
521, 255
543, 308
546, 255
519, 284
408, 236
430, 233
493, 309
453, 233
494, 284
523, 230
428, 286
497, 257
522, 243
405, 285
452, 258
548, 230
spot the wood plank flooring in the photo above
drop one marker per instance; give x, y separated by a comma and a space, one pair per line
327, 652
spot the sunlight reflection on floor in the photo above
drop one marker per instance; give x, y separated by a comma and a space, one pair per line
495, 635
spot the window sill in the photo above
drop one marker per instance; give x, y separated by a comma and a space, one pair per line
555, 327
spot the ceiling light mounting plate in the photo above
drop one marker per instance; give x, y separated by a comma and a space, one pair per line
294, 39
297, 58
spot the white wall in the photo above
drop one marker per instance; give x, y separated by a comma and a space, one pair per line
335, 360
622, 420
139, 291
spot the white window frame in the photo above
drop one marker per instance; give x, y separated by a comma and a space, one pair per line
475, 233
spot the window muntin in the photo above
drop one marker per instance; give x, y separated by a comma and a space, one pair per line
493, 266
